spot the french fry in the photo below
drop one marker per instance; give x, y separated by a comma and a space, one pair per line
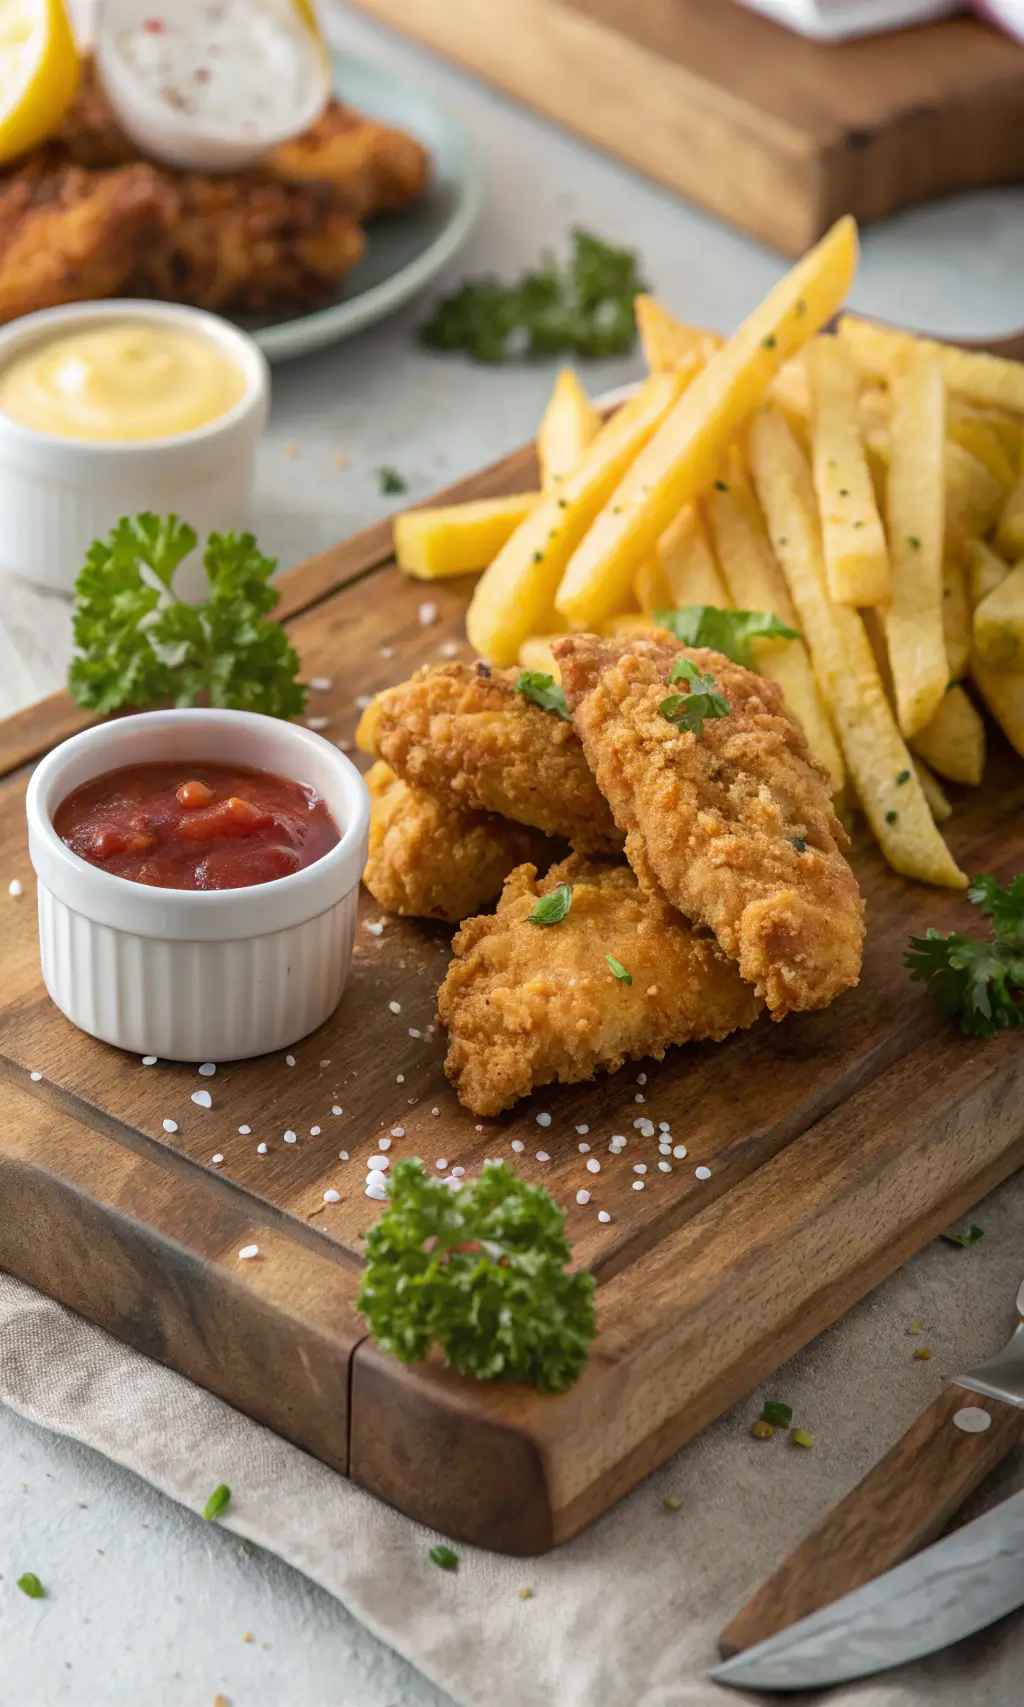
790, 391
990, 381
956, 610
535, 654
985, 571
974, 497
688, 563
682, 457
650, 585
856, 555
976, 432
666, 341
1003, 693
916, 517
569, 424
515, 594
953, 743
755, 582
999, 623
627, 622
458, 538
931, 788
879, 763
1010, 532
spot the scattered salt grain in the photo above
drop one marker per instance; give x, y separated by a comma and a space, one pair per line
363, 700
374, 926
603, 1215
703, 1173
291, 1137
217, 1158
202, 1099
248, 1251
377, 1164
383, 1143
343, 1155
663, 1126
398, 1132
399, 1078
14, 888
149, 1060
336, 1108
332, 1196
543, 1120
679, 1151
289, 1060
666, 1167
583, 1148
326, 1063
442, 1164
261, 1149
314, 1132
518, 1146
414, 1033
320, 684
35, 1077
638, 1185
435, 1111
583, 1130
379, 1193
593, 1166
376, 1176
641, 1078
639, 1167
639, 1097
317, 723
449, 649
428, 613
542, 1156
245, 1131
395, 1007
170, 1126
457, 1173
387, 651
208, 1069
583, 1197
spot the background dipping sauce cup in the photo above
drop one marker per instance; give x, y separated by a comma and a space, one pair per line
59, 492
210, 975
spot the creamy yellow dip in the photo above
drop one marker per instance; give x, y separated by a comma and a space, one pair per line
130, 379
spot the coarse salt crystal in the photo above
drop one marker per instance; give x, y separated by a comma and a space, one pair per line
398, 1132
641, 1078
583, 1130
317, 723
376, 1176
638, 1185
518, 1146
593, 1166
314, 1132
208, 1069
217, 1158
583, 1197
663, 1126
603, 1215
665, 1167
332, 1196
379, 1193
248, 1251
679, 1151
377, 1164
149, 1060
320, 684
399, 1078
414, 1033
374, 926
245, 1131
387, 651
583, 1148
383, 1143
428, 613
170, 1126
261, 1149
326, 1063
542, 1156
639, 1167
14, 888
639, 1097
202, 1099
336, 1108
35, 1077
363, 700
449, 649
343, 1155
289, 1060
457, 1173
543, 1120
435, 1111
442, 1164
291, 1137
395, 1007
703, 1173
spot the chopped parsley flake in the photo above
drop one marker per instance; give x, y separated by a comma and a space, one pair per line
726, 631
913, 542
776, 1413
389, 480
691, 710
904, 776
444, 1557
800, 843
721, 486
971, 1237
29, 1584
891, 816
768, 343
619, 970
541, 689
218, 1502
551, 909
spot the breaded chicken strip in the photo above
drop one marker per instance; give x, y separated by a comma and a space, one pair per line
528, 1005
737, 827
432, 860
379, 167
461, 730
70, 236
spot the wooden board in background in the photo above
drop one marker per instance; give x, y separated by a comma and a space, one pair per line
838, 1143
776, 134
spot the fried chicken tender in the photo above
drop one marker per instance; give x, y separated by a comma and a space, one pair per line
736, 828
70, 236
430, 859
378, 167
461, 730
528, 1005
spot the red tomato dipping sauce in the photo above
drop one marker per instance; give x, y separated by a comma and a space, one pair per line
186, 824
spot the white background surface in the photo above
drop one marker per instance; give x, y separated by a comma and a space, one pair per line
150, 1605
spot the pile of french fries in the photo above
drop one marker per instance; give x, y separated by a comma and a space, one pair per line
863, 485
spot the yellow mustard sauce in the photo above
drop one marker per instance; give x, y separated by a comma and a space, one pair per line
129, 379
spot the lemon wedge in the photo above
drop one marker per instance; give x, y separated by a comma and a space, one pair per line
39, 71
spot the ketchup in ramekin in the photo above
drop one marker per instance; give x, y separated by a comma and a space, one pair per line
188, 824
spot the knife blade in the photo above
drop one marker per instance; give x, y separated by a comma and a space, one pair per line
951, 1589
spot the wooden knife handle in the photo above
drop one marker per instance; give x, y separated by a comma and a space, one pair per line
901, 1505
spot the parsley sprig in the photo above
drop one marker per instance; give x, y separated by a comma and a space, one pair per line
728, 631
482, 1272
541, 689
981, 982
138, 643
584, 307
691, 710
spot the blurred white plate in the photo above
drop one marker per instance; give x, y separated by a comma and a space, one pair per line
839, 20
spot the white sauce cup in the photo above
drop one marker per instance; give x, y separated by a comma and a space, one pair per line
58, 494
215, 975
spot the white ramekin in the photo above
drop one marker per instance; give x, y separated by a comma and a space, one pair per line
210, 976
59, 494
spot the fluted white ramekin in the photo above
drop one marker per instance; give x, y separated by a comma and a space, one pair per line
214, 975
59, 494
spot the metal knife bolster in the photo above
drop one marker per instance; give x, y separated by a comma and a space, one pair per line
1002, 1377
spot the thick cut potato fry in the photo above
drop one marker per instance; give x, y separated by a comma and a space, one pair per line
953, 742
790, 391
956, 610
985, 572
459, 538
688, 563
569, 424
999, 623
683, 456
856, 554
755, 582
514, 595
880, 765
931, 788
666, 341
977, 433
1010, 532
917, 524
990, 381
1003, 693
536, 654
974, 497
650, 585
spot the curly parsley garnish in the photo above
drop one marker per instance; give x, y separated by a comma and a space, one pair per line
543, 690
727, 631
691, 710
980, 982
551, 909
481, 1272
584, 307
138, 643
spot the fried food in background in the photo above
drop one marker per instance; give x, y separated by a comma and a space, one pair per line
462, 732
254, 242
528, 1005
430, 859
735, 827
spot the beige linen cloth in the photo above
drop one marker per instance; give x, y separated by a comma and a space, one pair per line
627, 1614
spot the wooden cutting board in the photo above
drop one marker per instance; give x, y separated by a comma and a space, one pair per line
776, 134
838, 1143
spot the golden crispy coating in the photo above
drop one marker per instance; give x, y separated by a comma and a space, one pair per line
528, 1005
430, 859
736, 828
69, 236
462, 730
378, 167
